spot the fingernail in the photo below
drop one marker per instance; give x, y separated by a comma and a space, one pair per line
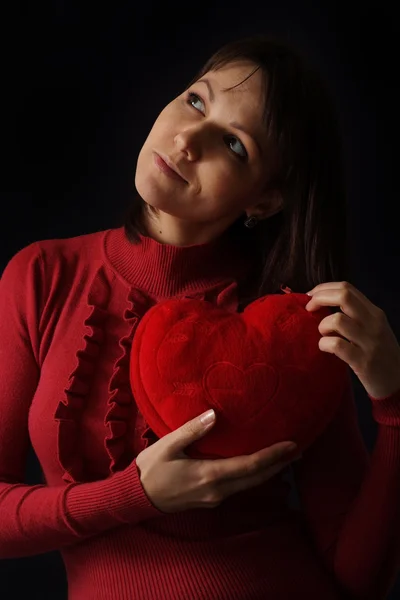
290, 447
208, 417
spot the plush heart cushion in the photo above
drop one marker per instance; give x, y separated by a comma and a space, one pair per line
261, 370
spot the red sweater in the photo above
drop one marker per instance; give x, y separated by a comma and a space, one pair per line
68, 312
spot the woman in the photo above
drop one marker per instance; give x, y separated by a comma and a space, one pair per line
240, 190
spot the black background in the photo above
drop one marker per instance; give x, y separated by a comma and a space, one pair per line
81, 88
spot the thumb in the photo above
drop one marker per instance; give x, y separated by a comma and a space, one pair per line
191, 431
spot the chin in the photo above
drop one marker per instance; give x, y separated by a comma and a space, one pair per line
161, 204
155, 198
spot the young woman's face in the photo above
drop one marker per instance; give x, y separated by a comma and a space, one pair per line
215, 140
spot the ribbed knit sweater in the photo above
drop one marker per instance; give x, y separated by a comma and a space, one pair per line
69, 309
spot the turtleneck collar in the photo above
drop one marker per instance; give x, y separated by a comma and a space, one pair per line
165, 271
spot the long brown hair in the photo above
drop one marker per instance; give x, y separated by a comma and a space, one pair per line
307, 242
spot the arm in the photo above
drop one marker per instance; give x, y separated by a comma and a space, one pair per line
351, 500
40, 518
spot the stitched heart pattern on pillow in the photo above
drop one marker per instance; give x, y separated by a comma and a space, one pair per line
261, 370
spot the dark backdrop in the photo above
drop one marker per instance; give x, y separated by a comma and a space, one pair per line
81, 87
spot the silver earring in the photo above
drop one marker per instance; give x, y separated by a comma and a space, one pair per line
251, 222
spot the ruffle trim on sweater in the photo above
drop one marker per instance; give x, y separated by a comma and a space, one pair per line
122, 443
121, 404
122, 407
71, 406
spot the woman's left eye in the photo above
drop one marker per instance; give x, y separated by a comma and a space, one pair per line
233, 141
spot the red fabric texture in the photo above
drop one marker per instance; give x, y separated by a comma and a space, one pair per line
261, 371
69, 311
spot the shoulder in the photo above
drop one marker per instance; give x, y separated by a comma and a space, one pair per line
49, 252
44, 266
78, 250
24, 263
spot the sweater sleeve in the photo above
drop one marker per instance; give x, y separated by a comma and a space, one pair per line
351, 500
38, 518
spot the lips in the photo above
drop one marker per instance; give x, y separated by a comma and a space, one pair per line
165, 165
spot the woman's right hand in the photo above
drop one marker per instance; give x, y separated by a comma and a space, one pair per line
173, 482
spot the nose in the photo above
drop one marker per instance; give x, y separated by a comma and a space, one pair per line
188, 141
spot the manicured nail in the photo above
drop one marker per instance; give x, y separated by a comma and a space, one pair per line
208, 417
290, 447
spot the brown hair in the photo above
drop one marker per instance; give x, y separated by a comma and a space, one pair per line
306, 243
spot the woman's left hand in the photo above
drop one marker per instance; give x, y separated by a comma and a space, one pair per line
368, 344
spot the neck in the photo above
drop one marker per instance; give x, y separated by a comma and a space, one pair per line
166, 270
167, 229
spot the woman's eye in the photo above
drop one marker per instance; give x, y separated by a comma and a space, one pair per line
193, 98
236, 146
232, 142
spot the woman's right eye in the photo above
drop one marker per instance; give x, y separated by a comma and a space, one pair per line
192, 99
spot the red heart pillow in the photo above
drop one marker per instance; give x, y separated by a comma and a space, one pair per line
261, 370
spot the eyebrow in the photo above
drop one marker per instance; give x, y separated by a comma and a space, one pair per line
232, 123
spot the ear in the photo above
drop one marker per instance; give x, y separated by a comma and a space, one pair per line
270, 203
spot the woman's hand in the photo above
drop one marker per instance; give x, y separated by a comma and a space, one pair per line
173, 482
365, 341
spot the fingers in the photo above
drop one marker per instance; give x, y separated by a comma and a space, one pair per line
176, 441
227, 488
237, 467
